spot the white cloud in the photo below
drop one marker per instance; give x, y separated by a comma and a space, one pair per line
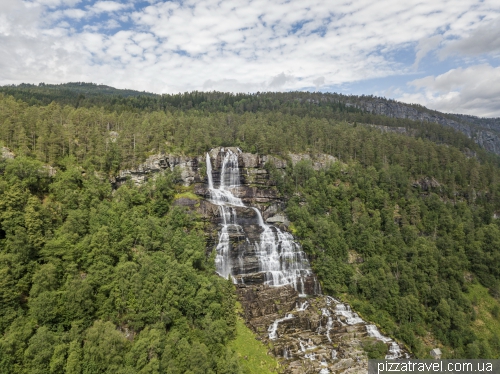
72, 13
237, 45
108, 6
53, 3
425, 46
485, 39
111, 24
280, 80
474, 90
318, 82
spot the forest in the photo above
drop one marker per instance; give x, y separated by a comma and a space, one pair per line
83, 269
403, 226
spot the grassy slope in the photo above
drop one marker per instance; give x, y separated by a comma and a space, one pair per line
486, 324
252, 353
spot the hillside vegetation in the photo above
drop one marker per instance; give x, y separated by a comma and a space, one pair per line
403, 226
95, 282
415, 255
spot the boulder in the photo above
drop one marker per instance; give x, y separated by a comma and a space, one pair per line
278, 218
6, 153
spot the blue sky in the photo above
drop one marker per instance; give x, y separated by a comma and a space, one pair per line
443, 54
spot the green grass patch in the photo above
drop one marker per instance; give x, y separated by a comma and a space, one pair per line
487, 323
187, 195
252, 354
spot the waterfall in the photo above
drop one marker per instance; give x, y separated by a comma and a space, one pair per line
310, 356
273, 335
302, 346
345, 310
303, 306
209, 173
280, 258
394, 352
328, 328
374, 333
249, 251
285, 353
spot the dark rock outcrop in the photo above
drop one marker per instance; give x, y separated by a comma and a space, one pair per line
426, 184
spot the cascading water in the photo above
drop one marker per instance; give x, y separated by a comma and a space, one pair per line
274, 327
394, 352
345, 310
329, 325
303, 306
280, 259
374, 333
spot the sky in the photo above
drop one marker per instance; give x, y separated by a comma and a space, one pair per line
442, 54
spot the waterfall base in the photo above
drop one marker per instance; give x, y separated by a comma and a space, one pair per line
311, 335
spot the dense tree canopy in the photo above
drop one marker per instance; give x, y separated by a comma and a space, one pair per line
94, 281
402, 250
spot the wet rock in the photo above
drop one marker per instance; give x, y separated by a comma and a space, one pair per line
307, 333
254, 195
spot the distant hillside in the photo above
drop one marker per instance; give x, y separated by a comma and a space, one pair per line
484, 131
71, 93
72, 88
361, 109
490, 123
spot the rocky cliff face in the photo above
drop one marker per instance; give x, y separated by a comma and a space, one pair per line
484, 131
6, 153
252, 165
308, 332
188, 167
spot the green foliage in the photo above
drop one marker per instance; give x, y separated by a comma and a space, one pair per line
94, 281
375, 349
418, 246
120, 281
112, 132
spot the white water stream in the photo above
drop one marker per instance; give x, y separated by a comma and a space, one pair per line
274, 327
280, 258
